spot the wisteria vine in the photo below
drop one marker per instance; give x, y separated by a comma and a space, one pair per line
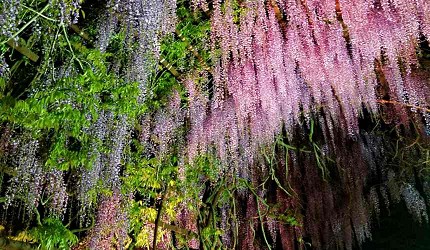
241, 124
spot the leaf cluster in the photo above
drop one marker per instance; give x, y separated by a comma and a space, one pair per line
52, 234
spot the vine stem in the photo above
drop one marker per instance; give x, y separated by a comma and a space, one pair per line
158, 219
257, 198
71, 48
39, 13
27, 24
39, 222
93, 222
262, 224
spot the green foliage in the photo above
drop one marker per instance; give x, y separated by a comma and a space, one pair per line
151, 180
58, 99
288, 218
67, 108
195, 30
52, 234
321, 159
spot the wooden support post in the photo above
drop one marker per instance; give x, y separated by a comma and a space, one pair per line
170, 68
23, 50
80, 32
191, 48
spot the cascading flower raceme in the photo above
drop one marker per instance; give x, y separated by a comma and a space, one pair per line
168, 121
317, 58
111, 226
283, 63
28, 182
145, 23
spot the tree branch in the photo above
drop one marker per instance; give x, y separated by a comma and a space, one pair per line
405, 105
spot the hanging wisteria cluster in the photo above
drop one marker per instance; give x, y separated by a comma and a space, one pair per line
284, 60
283, 63
8, 17
111, 224
145, 22
28, 182
31, 185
